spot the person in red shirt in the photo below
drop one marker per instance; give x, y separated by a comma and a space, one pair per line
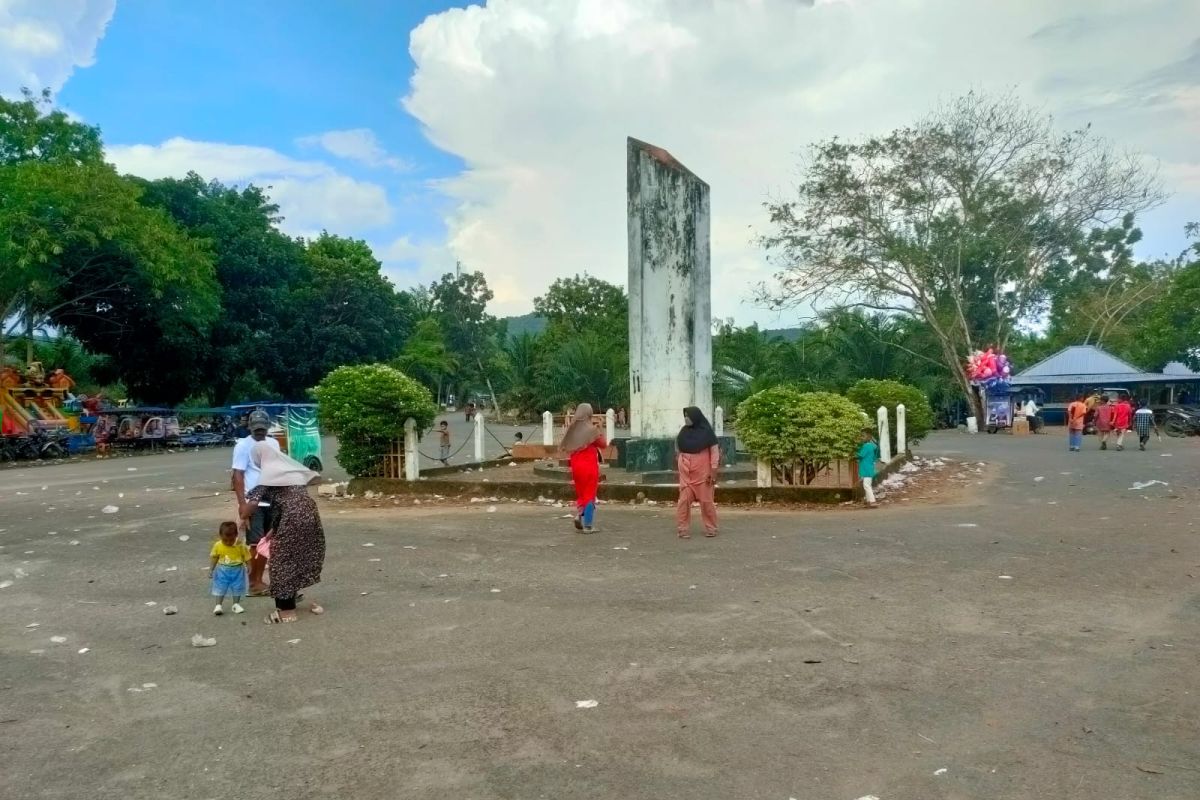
1105, 413
1122, 420
584, 444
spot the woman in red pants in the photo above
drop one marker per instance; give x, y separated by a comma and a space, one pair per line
698, 461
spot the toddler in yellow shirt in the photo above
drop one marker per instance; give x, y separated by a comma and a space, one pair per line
230, 558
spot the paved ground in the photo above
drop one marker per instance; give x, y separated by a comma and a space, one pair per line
834, 654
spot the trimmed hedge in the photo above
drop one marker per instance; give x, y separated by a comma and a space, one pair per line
871, 394
783, 424
366, 407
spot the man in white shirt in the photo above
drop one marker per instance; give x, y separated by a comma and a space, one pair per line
1031, 411
245, 480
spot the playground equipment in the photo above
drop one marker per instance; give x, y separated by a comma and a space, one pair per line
294, 426
33, 402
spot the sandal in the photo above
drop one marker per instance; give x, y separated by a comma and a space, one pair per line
684, 535
263, 592
708, 535
275, 618
316, 609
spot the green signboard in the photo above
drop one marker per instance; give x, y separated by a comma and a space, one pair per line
304, 439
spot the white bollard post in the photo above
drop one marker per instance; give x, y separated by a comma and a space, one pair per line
412, 463
719, 421
763, 476
885, 435
547, 429
901, 430
478, 436
610, 425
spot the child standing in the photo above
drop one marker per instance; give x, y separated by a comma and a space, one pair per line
444, 439
229, 560
868, 454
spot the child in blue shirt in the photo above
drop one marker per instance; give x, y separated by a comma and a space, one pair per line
868, 454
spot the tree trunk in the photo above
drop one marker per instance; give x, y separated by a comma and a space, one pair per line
29, 336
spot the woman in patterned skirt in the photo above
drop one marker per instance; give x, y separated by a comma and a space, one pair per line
296, 540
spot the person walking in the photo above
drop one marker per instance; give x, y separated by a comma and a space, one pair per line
245, 480
698, 462
868, 454
1143, 423
295, 539
1122, 419
1077, 412
583, 444
1105, 412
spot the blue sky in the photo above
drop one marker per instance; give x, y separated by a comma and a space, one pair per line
495, 133
269, 74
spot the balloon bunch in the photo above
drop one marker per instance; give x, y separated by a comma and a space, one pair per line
989, 369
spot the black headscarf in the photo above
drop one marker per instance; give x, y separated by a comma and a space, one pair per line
697, 437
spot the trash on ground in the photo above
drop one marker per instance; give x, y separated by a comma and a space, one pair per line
1146, 485
586, 703
109, 510
170, 610
293, 641
941, 771
491, 509
1038, 479
200, 641
83, 650
58, 639
1005, 577
184, 537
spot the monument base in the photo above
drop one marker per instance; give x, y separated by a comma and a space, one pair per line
658, 455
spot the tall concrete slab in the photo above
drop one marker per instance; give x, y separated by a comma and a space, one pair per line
670, 292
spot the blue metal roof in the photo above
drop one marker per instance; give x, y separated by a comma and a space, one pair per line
1089, 365
1079, 360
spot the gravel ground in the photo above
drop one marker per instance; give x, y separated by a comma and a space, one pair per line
1027, 630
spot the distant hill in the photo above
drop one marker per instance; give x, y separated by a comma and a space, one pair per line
787, 334
526, 323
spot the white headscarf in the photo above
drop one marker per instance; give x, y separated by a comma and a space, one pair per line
278, 469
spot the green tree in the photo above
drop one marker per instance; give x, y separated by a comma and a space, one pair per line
426, 357
959, 221
586, 369
366, 407
583, 304
31, 129
520, 374
1170, 328
472, 334
340, 311
78, 250
258, 269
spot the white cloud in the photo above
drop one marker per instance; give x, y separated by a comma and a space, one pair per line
311, 195
538, 96
43, 41
356, 144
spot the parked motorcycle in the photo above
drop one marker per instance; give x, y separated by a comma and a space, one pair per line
1179, 422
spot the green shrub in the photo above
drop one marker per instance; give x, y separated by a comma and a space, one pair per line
783, 424
871, 394
365, 407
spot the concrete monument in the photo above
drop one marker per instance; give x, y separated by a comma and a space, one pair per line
670, 302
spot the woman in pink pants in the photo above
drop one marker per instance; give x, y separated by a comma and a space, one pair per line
698, 461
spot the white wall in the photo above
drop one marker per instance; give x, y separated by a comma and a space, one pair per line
670, 294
